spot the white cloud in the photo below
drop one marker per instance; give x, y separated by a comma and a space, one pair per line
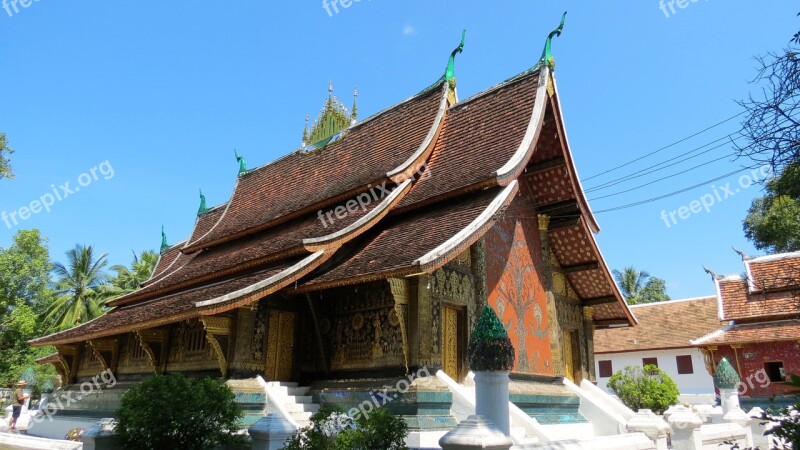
409, 29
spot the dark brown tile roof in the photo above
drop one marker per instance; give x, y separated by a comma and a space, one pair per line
365, 154
169, 309
393, 246
784, 330
285, 239
739, 304
480, 136
165, 263
672, 324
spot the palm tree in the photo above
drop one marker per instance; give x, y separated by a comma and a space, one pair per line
82, 289
130, 279
639, 287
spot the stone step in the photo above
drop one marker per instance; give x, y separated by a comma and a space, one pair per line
301, 416
295, 399
301, 407
281, 384
283, 391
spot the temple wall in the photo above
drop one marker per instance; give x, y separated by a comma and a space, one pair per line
359, 328
750, 366
516, 291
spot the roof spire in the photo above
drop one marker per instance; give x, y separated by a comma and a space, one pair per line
305, 132
547, 54
202, 204
450, 73
712, 273
354, 113
164, 245
333, 119
242, 162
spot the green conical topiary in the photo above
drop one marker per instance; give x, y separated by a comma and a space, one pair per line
725, 377
490, 349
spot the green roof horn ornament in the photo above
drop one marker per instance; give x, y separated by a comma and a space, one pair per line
725, 377
450, 73
164, 245
547, 54
203, 207
241, 161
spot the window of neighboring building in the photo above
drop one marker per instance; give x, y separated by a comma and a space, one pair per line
649, 362
684, 364
606, 370
775, 371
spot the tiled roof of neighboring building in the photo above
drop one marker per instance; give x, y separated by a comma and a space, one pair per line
738, 303
782, 330
665, 325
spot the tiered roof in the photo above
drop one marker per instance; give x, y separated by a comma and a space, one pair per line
764, 306
428, 175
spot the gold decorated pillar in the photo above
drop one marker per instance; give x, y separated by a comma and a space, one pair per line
588, 329
401, 290
552, 312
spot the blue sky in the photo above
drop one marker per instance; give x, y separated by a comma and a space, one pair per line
164, 91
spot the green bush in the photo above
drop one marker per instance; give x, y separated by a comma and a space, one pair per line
644, 388
172, 411
332, 429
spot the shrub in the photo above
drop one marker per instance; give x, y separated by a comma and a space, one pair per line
332, 429
172, 411
644, 388
788, 421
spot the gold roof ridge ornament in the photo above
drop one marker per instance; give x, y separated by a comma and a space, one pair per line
333, 119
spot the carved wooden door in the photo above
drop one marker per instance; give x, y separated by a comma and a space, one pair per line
450, 342
570, 353
280, 345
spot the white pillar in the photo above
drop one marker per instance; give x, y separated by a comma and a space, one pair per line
654, 427
729, 399
685, 426
476, 432
491, 398
741, 418
271, 432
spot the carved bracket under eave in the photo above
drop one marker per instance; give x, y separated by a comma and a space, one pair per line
151, 357
98, 355
400, 293
218, 326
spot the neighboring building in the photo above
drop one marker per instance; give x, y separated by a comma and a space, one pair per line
761, 338
368, 254
663, 338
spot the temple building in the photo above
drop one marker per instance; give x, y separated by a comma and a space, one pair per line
367, 254
761, 333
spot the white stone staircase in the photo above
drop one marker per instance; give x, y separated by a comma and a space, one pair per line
291, 399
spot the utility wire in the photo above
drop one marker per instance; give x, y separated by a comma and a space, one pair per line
661, 165
650, 200
663, 148
663, 178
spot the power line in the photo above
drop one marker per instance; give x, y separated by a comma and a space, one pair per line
662, 178
639, 173
663, 148
650, 200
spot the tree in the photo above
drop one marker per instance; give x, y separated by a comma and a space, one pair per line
82, 288
639, 287
24, 295
5, 164
773, 221
172, 411
645, 387
129, 279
